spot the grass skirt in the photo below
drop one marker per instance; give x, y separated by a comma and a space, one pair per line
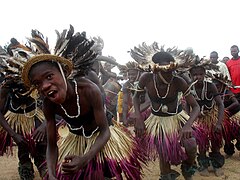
23, 124
120, 155
231, 127
162, 135
206, 130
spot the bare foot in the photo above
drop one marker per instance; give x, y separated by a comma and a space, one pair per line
204, 173
218, 172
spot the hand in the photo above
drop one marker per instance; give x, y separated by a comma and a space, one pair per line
139, 126
72, 164
218, 128
186, 132
40, 133
20, 140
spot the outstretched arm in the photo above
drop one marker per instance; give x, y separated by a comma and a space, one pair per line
220, 106
125, 104
4, 95
195, 109
101, 121
139, 124
52, 148
73, 163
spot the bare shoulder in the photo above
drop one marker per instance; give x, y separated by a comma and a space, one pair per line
87, 86
177, 80
146, 76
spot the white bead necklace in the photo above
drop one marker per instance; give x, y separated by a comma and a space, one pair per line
156, 89
24, 108
83, 131
78, 104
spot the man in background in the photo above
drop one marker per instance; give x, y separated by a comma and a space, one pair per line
233, 65
222, 67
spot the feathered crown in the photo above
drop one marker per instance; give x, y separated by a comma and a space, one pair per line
203, 62
143, 55
220, 78
72, 51
98, 45
130, 65
13, 58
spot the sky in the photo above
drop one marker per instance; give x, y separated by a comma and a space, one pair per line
204, 25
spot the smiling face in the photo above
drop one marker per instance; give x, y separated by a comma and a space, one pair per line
48, 80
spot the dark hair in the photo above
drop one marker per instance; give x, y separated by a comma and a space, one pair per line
197, 67
214, 52
234, 46
161, 57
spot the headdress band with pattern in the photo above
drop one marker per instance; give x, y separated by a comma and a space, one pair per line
67, 65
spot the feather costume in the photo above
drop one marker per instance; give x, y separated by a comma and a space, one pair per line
162, 132
21, 118
120, 154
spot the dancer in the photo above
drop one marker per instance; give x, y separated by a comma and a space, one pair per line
129, 88
92, 149
168, 128
231, 123
21, 117
210, 120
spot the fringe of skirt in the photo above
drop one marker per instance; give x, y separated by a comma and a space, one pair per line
23, 124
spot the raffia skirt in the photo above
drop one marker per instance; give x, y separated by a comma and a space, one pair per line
231, 127
23, 124
162, 136
119, 156
207, 136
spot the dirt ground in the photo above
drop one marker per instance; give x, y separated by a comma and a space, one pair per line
8, 170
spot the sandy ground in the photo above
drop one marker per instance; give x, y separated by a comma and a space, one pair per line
8, 170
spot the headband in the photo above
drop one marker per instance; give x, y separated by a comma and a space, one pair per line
67, 65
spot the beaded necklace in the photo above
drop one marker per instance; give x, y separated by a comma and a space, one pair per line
78, 104
24, 108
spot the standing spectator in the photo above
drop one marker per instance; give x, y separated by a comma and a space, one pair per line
222, 67
233, 65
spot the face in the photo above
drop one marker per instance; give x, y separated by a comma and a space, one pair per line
49, 82
234, 52
108, 66
225, 59
132, 75
197, 73
214, 57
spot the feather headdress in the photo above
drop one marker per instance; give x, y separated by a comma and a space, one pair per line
143, 55
13, 58
220, 78
203, 62
72, 51
98, 45
130, 65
